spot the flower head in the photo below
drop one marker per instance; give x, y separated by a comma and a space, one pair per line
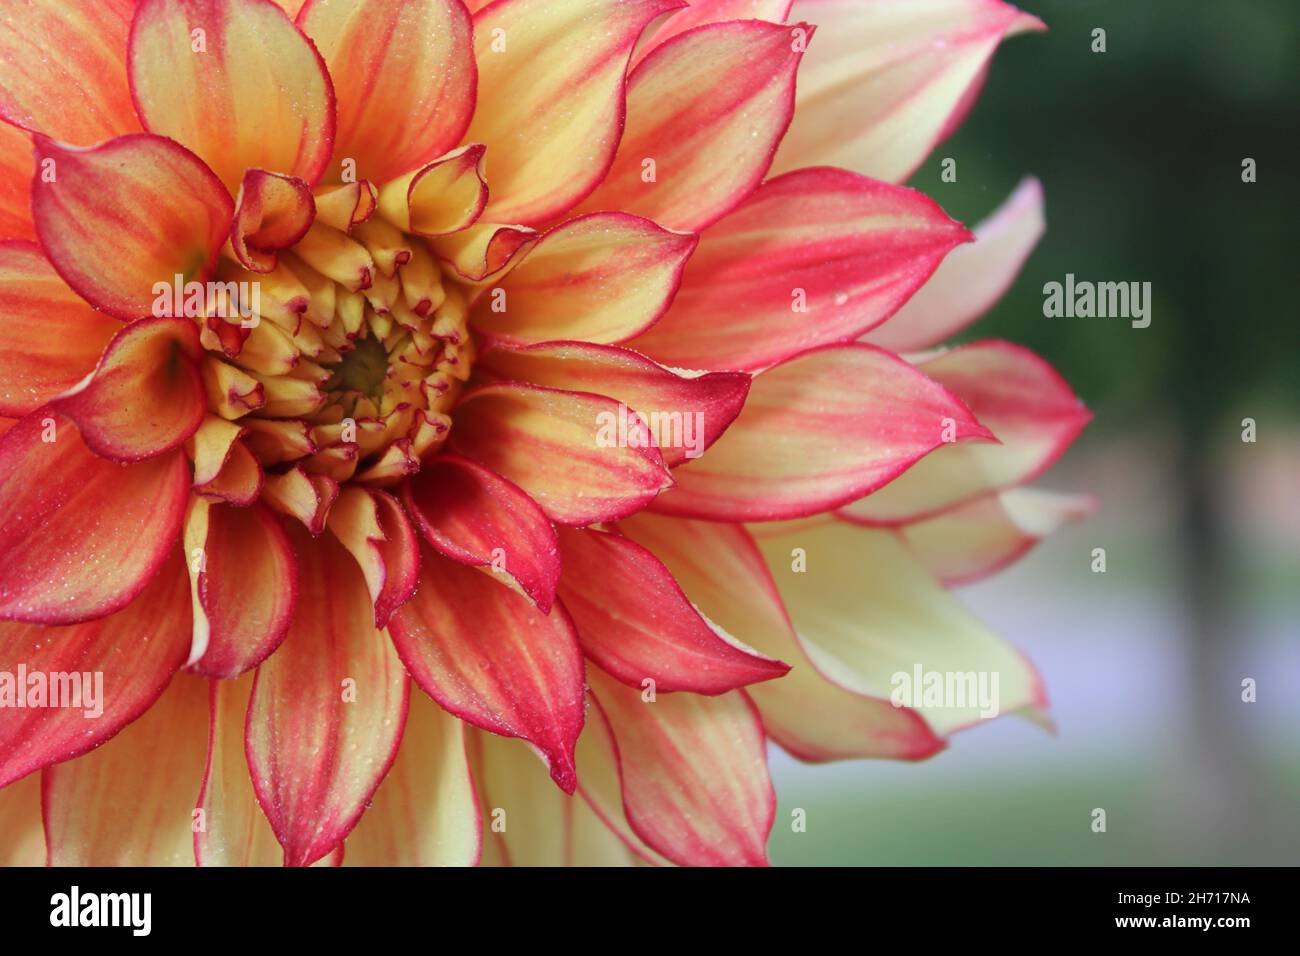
521, 351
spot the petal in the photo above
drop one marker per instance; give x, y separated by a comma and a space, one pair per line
135, 651
245, 583
145, 397
483, 250
887, 81
550, 103
23, 843
240, 480
120, 218
16, 169
302, 495
686, 413
441, 198
472, 515
272, 213
600, 278
1020, 398
806, 712
491, 658
705, 112
49, 338
80, 536
694, 772
972, 279
814, 257
131, 801
974, 540
89, 69
256, 94
327, 709
635, 622
868, 612
372, 526
233, 830
424, 813
546, 442
818, 431
405, 78
701, 12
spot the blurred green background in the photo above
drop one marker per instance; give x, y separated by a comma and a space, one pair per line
1140, 152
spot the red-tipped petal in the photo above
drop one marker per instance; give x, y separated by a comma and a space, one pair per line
694, 773
327, 709
145, 397
36, 88
885, 82
272, 213
1032, 411
442, 198
134, 672
701, 12
971, 279
720, 90
472, 515
373, 527
16, 168
687, 412
601, 278
551, 97
635, 622
50, 339
405, 77
238, 104
118, 218
818, 431
80, 536
549, 443
490, 657
814, 257
806, 712
245, 586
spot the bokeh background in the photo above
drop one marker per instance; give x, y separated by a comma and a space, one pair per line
1140, 151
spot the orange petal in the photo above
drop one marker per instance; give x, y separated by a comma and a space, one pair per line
814, 257
134, 672
16, 168
301, 495
602, 278
635, 622
548, 443
483, 250
722, 90
245, 585
239, 481
121, 217
23, 843
550, 101
145, 397
722, 572
404, 75
80, 536
424, 813
238, 104
50, 339
89, 69
694, 772
327, 708
372, 526
1032, 411
272, 212
885, 82
131, 802
491, 658
818, 431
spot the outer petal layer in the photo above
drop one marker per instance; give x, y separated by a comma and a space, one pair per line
80, 536
255, 95
887, 81
722, 90
818, 431
701, 12
491, 658
121, 217
817, 256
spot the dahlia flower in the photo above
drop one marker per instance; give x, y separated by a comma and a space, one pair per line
462, 431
